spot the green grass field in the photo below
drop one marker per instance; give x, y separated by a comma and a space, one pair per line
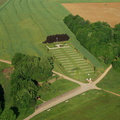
25, 24
93, 105
111, 82
2, 2
57, 88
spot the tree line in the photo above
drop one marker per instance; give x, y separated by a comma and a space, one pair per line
28, 71
98, 38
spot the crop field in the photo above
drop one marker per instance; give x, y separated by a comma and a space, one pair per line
73, 62
107, 12
25, 24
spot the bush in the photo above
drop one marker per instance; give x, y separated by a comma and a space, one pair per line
56, 38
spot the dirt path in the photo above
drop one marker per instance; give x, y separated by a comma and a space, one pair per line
103, 75
112, 93
5, 61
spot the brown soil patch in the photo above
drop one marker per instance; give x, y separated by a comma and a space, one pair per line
107, 12
2, 1
7, 72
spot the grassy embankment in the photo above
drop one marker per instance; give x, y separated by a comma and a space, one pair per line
93, 105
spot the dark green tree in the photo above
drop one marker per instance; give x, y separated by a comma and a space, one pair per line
116, 65
24, 92
117, 33
2, 100
16, 60
24, 80
33, 67
8, 114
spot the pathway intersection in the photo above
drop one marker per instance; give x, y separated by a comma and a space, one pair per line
61, 98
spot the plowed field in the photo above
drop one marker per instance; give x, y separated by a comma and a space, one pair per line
107, 12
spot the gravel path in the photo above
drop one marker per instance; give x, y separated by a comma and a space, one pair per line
103, 75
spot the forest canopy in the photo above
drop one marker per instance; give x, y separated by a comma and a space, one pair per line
29, 70
98, 38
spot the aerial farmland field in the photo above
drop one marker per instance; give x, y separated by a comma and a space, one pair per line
25, 24
96, 11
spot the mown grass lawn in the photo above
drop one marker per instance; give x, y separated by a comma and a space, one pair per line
57, 88
93, 105
111, 82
